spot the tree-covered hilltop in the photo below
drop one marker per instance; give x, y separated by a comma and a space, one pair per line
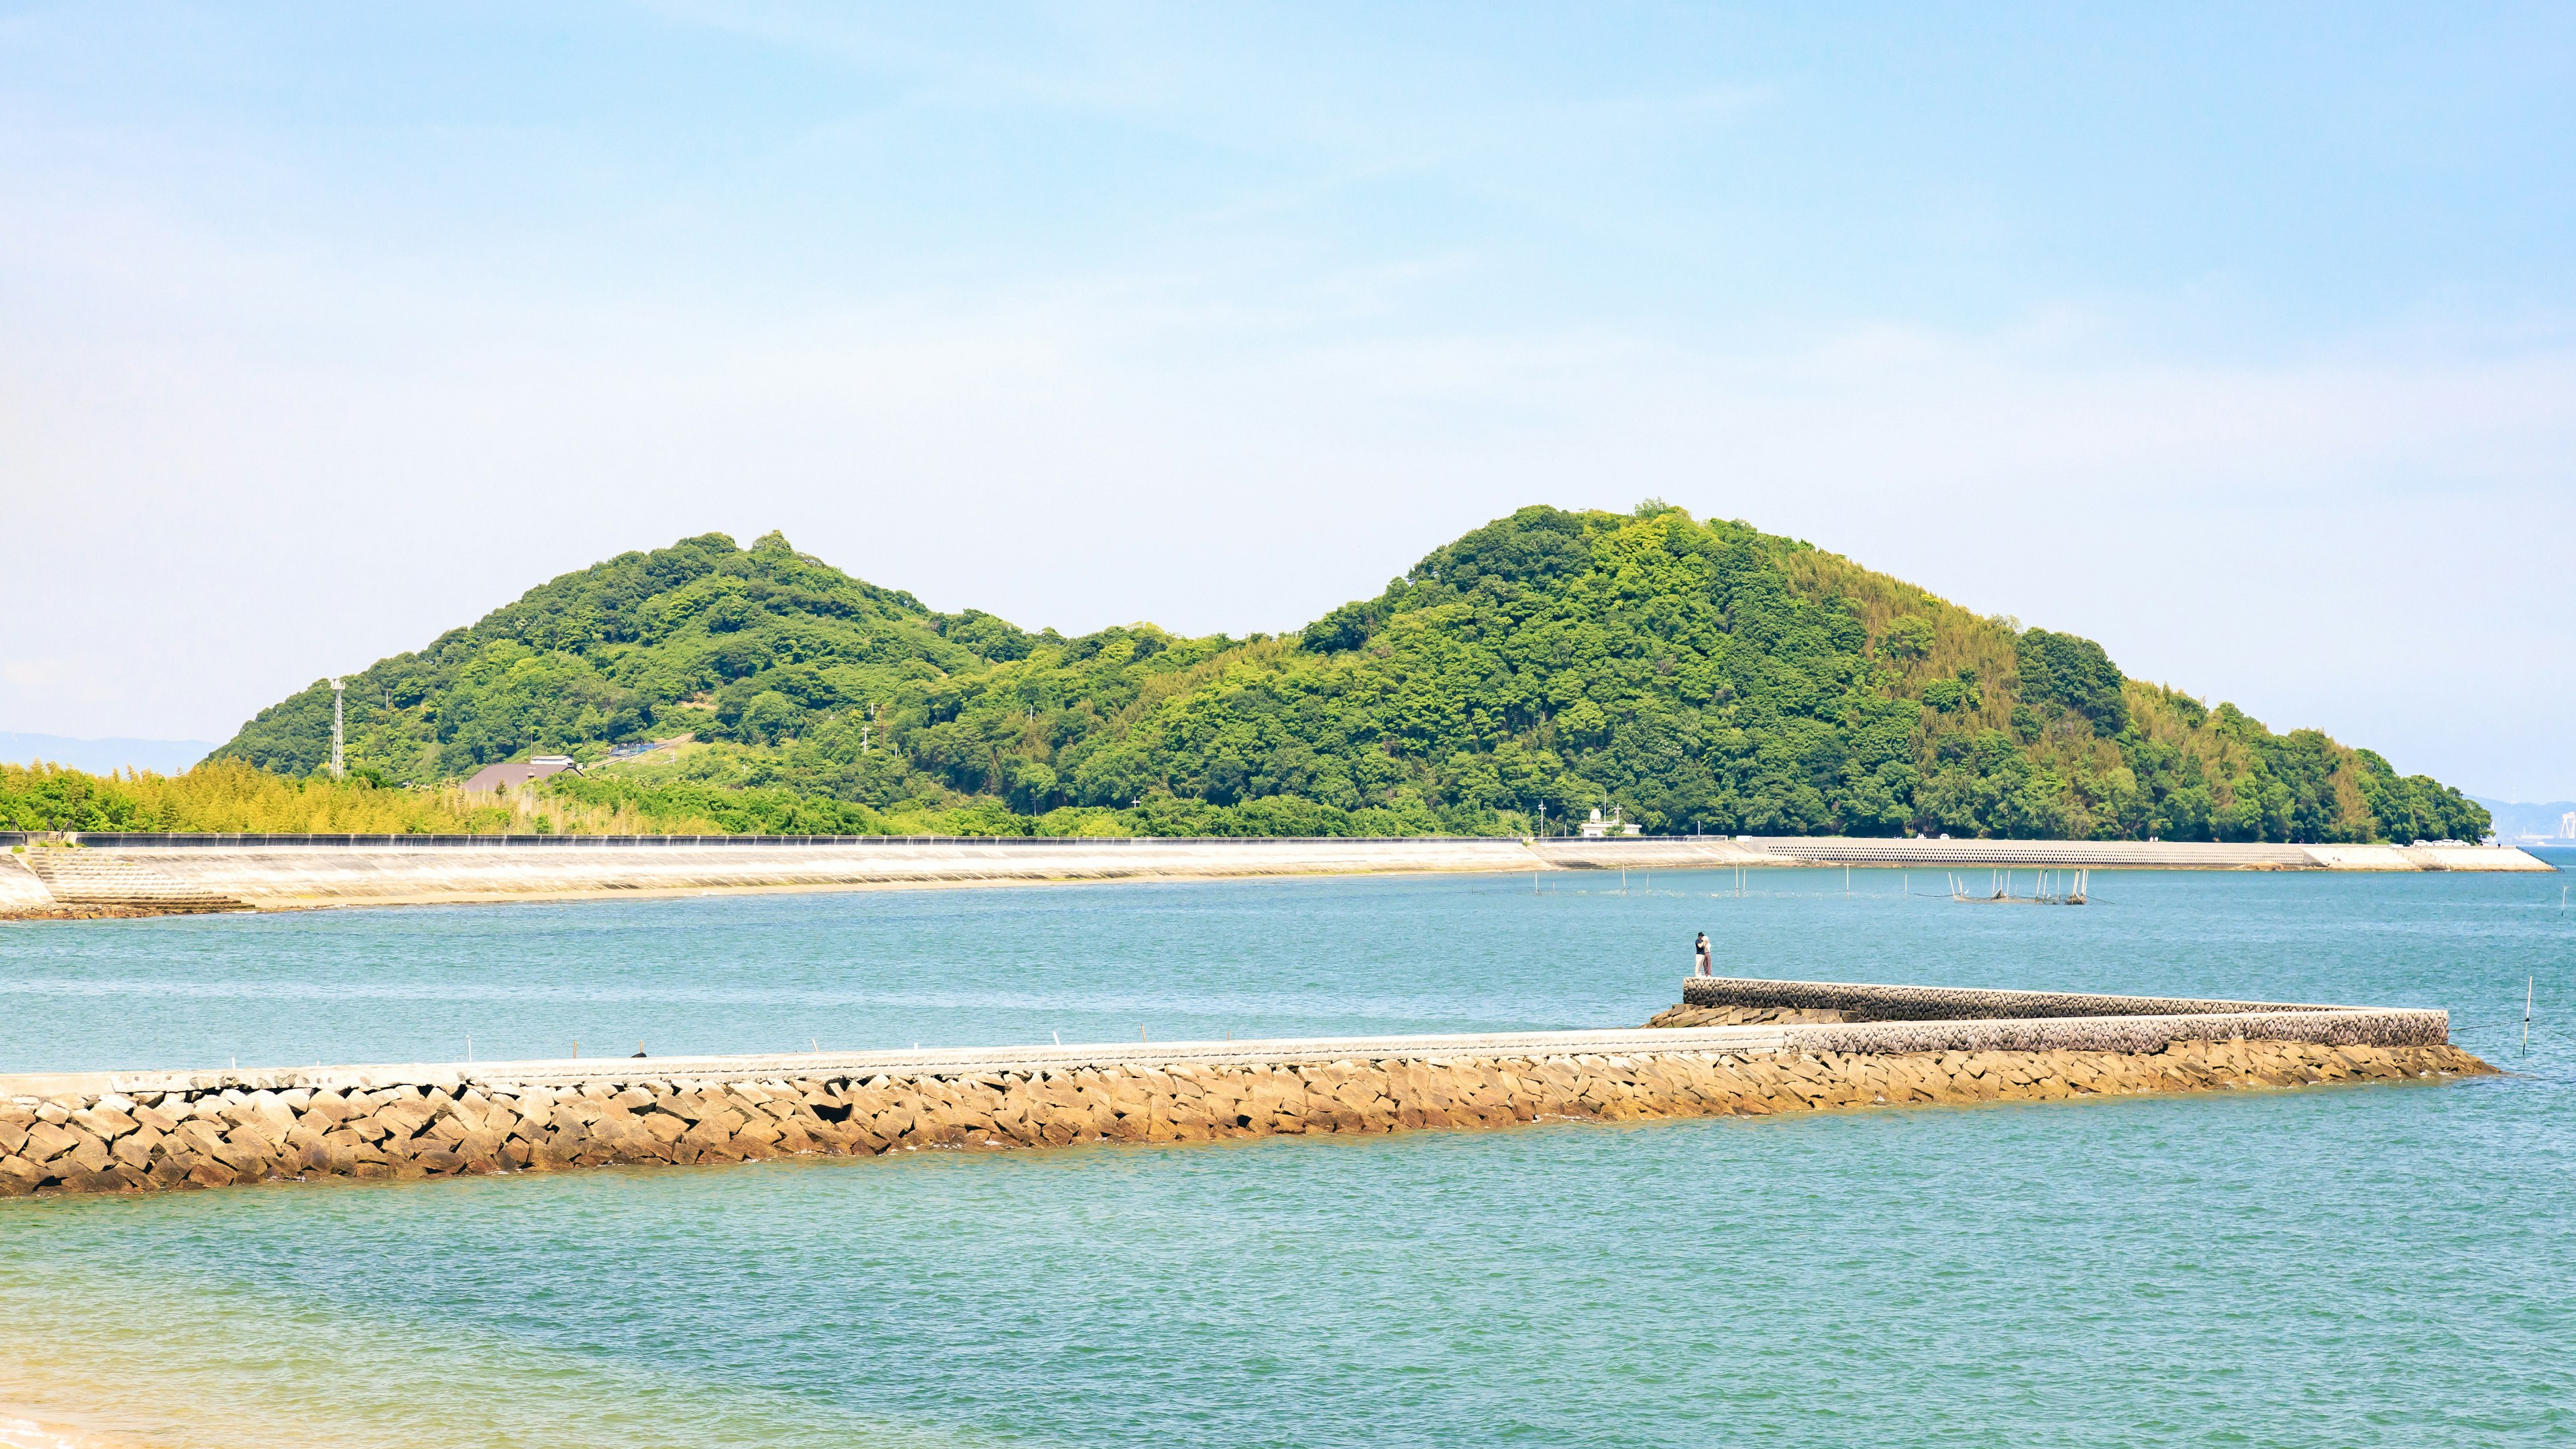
1698, 676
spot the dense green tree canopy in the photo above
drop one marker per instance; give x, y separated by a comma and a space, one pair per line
1697, 676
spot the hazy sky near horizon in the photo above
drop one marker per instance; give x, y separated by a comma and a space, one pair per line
2241, 340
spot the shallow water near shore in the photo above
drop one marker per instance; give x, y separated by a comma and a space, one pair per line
2359, 1265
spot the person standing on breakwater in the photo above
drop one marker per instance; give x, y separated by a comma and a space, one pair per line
1700, 951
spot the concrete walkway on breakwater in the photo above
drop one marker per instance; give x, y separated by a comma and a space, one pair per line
124, 874
149, 1130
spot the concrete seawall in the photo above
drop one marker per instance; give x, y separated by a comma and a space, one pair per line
100, 874
148, 1131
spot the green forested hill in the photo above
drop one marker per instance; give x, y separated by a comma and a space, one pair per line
1700, 676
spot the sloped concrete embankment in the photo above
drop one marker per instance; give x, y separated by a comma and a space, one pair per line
1736, 1000
274, 877
140, 1132
22, 891
1920, 854
108, 875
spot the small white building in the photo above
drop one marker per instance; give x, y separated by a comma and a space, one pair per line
1596, 827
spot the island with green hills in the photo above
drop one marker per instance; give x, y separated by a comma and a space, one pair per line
1692, 677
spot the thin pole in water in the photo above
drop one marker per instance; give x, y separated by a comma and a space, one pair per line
2526, 1015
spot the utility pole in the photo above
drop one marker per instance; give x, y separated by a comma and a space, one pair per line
336, 696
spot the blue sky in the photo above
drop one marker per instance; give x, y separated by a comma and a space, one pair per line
2245, 344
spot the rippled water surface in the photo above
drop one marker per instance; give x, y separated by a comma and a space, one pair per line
2374, 1265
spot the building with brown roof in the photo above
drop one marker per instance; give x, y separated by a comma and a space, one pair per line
511, 774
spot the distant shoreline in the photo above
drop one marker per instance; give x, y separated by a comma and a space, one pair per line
127, 875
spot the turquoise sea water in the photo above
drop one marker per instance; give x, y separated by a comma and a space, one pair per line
2374, 1265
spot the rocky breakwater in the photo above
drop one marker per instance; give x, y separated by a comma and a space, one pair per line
124, 1144
144, 1133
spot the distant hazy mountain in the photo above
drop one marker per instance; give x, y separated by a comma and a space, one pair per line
161, 757
2513, 819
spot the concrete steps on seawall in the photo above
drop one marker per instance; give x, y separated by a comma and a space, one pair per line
90, 878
